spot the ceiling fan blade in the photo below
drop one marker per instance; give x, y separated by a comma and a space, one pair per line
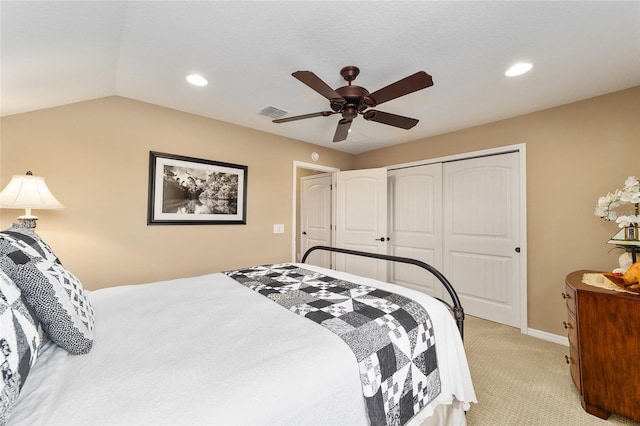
342, 131
413, 83
313, 81
390, 119
302, 117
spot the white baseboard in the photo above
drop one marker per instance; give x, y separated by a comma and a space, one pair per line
554, 338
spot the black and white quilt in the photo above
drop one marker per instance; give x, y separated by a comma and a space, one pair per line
390, 335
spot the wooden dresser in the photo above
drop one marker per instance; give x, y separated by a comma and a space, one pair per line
604, 347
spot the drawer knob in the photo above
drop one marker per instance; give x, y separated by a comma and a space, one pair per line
567, 358
566, 325
565, 296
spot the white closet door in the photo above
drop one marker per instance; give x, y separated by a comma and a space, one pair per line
481, 235
415, 225
361, 220
315, 218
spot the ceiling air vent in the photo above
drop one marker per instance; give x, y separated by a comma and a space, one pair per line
273, 112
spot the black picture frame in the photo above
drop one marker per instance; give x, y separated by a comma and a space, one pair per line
194, 191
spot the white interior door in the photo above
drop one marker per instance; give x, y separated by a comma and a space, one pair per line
361, 220
415, 225
315, 217
481, 235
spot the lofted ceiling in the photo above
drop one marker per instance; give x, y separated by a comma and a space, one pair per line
59, 52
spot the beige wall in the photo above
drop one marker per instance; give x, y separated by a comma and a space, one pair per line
575, 153
95, 158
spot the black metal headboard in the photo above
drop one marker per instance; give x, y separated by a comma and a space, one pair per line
457, 310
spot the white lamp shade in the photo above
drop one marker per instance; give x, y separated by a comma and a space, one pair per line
28, 192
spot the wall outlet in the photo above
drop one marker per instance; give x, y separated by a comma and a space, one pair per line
278, 228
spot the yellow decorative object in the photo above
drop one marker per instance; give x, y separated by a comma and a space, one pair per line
632, 276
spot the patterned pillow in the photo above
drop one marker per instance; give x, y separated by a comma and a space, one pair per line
55, 294
19, 341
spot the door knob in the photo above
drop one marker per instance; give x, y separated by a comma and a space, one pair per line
304, 232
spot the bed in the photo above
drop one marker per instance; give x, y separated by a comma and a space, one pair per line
212, 350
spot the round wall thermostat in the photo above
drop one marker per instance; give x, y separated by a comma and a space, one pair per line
315, 156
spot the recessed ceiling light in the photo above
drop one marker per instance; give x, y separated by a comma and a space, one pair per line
197, 80
518, 69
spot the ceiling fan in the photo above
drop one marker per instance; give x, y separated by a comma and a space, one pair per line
352, 100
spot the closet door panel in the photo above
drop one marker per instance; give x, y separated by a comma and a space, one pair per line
415, 225
481, 234
361, 220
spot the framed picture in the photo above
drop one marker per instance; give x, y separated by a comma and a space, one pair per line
193, 191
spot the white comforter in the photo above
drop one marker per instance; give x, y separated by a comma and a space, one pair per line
207, 350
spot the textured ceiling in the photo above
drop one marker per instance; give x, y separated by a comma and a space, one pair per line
54, 53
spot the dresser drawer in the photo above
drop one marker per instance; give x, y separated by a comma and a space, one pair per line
572, 330
570, 298
573, 359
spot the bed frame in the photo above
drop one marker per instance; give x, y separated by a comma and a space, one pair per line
457, 310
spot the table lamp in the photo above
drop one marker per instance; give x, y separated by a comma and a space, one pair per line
28, 192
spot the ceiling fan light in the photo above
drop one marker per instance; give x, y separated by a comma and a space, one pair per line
197, 80
518, 69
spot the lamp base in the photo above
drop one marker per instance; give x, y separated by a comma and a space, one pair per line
28, 221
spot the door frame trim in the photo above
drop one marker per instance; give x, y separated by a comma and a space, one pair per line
294, 219
522, 156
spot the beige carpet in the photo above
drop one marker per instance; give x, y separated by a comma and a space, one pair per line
522, 380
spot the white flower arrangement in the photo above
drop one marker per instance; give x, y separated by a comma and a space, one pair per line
630, 194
